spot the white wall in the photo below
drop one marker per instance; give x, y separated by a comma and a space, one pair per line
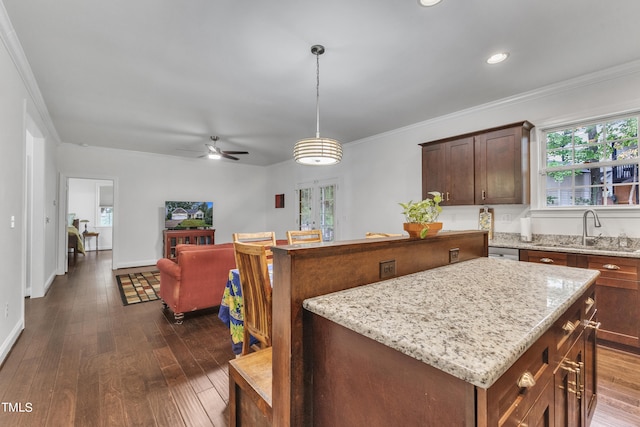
383, 170
143, 182
17, 113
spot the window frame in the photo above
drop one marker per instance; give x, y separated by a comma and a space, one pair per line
543, 170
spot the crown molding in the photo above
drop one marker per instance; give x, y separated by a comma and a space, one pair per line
597, 77
14, 48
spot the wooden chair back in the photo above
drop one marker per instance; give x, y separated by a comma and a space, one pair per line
262, 238
304, 236
256, 293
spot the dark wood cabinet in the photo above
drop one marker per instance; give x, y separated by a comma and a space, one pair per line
172, 238
485, 167
502, 166
618, 296
617, 292
449, 170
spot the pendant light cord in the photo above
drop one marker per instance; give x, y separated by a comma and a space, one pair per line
317, 95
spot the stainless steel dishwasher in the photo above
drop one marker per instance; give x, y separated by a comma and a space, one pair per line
504, 253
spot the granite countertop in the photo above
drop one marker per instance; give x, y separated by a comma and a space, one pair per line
607, 246
472, 319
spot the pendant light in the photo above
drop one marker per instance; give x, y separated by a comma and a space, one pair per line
317, 151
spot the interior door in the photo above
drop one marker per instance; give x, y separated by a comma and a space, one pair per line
316, 208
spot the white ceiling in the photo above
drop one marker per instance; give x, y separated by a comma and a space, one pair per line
163, 75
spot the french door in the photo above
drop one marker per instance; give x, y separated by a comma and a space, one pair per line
316, 208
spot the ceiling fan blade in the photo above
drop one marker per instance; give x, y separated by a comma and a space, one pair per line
226, 156
210, 147
235, 152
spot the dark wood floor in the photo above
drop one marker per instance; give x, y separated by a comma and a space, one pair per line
86, 360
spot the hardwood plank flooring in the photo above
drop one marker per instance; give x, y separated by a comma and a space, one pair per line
84, 359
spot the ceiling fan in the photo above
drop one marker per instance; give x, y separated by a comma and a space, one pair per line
216, 153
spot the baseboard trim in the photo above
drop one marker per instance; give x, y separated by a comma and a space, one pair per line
143, 263
8, 343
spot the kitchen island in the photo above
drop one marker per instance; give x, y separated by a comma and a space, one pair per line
481, 342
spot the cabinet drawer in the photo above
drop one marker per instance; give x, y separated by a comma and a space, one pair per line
510, 396
543, 257
614, 268
567, 329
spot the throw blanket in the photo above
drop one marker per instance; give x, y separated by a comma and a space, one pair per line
74, 231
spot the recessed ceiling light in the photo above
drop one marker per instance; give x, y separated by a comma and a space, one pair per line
429, 2
497, 58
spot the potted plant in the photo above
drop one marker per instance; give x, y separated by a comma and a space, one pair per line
421, 216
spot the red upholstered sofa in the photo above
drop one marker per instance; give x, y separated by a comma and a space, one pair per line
198, 278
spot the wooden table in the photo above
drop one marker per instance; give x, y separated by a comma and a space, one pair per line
90, 234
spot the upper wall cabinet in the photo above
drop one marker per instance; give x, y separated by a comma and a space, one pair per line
485, 167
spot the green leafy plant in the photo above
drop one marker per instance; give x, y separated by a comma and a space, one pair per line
423, 212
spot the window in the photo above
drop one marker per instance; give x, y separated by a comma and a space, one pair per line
105, 206
592, 164
106, 216
317, 208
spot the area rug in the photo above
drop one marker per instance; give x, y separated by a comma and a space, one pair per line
139, 287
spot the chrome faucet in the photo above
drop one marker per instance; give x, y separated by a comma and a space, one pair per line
586, 239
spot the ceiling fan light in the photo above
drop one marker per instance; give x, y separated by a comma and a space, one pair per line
317, 151
214, 156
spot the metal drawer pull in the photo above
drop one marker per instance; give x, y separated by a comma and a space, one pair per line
592, 325
589, 303
611, 267
546, 260
526, 380
569, 326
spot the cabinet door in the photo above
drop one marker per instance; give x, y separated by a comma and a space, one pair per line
502, 167
568, 384
590, 394
447, 167
434, 176
460, 172
618, 299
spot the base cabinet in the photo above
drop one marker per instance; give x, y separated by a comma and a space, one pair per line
551, 384
617, 292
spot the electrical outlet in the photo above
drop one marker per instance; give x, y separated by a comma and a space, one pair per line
6, 310
454, 255
387, 269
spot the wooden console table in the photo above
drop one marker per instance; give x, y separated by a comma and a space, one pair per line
173, 238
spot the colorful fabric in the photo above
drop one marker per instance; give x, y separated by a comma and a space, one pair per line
231, 309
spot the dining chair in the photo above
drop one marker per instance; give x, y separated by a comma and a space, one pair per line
256, 293
304, 236
262, 238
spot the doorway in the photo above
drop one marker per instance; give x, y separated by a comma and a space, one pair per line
90, 202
